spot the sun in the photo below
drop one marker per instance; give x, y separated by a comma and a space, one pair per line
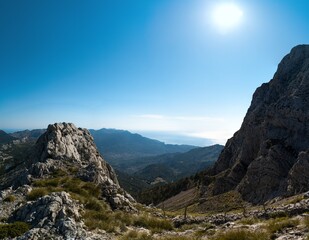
226, 16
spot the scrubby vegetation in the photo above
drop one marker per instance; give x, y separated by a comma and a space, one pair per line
9, 198
160, 193
134, 235
249, 221
278, 224
97, 213
241, 235
152, 223
13, 230
37, 193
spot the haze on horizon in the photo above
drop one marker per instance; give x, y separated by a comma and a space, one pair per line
162, 68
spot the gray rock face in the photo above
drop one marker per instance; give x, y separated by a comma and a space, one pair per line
55, 216
268, 156
67, 148
55, 212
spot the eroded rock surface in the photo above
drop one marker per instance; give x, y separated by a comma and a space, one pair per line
69, 151
268, 156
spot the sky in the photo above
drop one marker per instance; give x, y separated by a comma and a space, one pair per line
163, 68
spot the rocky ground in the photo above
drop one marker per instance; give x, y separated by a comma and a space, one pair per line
60, 216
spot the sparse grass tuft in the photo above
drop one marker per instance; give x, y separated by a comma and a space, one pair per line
9, 198
153, 223
78, 188
178, 238
13, 230
296, 199
278, 215
278, 224
241, 235
93, 204
306, 222
249, 221
134, 235
37, 193
97, 212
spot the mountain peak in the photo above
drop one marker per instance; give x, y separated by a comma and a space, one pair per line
263, 159
66, 148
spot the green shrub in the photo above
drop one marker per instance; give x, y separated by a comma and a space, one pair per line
9, 198
36, 193
241, 235
13, 230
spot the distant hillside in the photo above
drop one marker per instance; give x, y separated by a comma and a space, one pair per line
131, 184
5, 138
118, 146
29, 134
171, 167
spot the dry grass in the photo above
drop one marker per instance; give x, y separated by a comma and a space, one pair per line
241, 235
37, 193
249, 221
153, 223
134, 235
178, 238
9, 198
278, 224
221, 203
306, 221
97, 213
9, 231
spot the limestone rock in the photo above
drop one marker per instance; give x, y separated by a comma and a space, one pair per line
55, 216
67, 148
264, 158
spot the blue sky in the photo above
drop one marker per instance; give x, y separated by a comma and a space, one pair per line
158, 67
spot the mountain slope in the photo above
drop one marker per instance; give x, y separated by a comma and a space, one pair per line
119, 145
5, 138
269, 155
172, 167
31, 135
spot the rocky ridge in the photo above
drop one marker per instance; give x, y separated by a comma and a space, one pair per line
63, 150
269, 155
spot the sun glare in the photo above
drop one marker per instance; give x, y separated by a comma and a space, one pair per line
226, 16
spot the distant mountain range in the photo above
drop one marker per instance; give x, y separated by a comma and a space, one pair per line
118, 146
5, 138
28, 134
172, 166
140, 162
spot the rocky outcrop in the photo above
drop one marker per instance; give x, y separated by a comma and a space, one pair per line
63, 147
267, 156
62, 152
56, 213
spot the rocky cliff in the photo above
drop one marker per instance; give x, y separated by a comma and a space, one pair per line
269, 155
62, 175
